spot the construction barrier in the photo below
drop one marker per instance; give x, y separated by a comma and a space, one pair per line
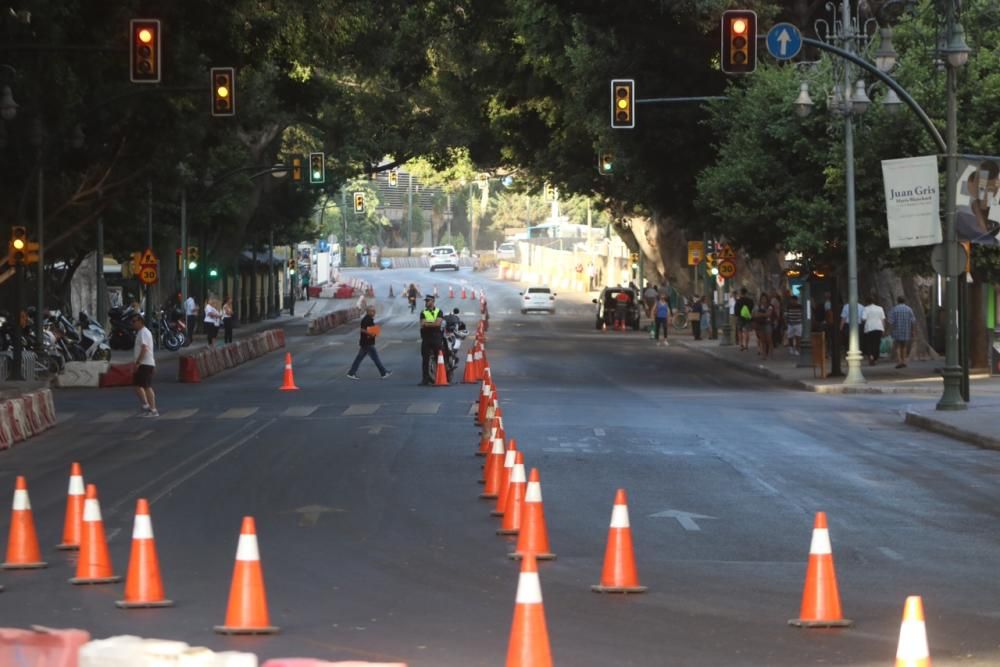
117, 375
82, 373
41, 646
128, 651
208, 361
25, 416
311, 662
326, 322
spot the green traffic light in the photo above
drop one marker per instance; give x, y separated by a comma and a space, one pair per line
213, 273
317, 175
192, 266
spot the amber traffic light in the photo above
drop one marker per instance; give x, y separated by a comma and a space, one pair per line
359, 202
739, 41
622, 103
223, 82
144, 50
17, 246
394, 178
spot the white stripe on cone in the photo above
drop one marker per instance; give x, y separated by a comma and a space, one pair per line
619, 517
21, 500
517, 474
529, 589
912, 641
534, 493
247, 548
76, 485
497, 446
820, 545
509, 458
142, 528
91, 510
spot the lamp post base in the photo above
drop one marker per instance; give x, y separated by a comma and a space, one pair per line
951, 399
854, 374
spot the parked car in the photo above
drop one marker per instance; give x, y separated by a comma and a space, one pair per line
538, 298
443, 257
506, 250
607, 303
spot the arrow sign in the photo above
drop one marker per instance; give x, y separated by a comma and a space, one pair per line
686, 519
784, 41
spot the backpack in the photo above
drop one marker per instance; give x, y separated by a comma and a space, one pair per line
745, 312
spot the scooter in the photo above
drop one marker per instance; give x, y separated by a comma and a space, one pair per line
93, 339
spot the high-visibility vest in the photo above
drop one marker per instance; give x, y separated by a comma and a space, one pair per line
431, 315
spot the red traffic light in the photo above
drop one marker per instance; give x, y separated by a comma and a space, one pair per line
739, 41
145, 49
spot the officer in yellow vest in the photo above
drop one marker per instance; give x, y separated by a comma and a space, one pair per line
431, 338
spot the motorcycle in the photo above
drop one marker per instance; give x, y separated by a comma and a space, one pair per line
122, 334
170, 332
93, 339
454, 332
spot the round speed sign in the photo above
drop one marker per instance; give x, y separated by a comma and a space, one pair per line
727, 269
148, 275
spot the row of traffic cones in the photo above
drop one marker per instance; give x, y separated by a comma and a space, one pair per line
83, 530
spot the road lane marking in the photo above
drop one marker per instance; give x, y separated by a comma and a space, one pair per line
686, 519
300, 411
179, 414
599, 432
136, 437
361, 409
890, 554
423, 408
375, 429
473, 409
237, 413
114, 416
64, 417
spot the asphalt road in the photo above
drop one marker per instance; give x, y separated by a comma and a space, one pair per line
375, 546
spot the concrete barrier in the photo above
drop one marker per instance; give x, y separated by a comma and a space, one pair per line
41, 646
22, 417
82, 373
129, 651
335, 319
202, 363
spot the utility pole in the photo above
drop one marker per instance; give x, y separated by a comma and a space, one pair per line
149, 241
102, 292
184, 244
40, 212
409, 214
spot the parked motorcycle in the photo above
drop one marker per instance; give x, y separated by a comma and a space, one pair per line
122, 335
93, 339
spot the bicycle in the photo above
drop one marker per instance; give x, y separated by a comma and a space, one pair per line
680, 319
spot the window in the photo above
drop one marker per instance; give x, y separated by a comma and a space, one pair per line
538, 290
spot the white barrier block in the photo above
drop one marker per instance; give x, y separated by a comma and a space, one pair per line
82, 373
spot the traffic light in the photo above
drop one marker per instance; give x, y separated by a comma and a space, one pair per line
359, 202
193, 256
622, 103
17, 246
297, 169
213, 272
605, 164
144, 50
317, 168
739, 41
709, 261
394, 177
223, 82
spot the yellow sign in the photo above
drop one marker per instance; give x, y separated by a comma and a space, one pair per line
148, 258
727, 269
148, 275
696, 252
727, 252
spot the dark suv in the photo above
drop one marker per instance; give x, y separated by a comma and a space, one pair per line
607, 303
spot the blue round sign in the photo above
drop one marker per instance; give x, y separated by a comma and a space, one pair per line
784, 41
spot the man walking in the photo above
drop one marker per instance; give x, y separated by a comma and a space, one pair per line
191, 317
145, 364
744, 308
901, 319
431, 338
369, 330
793, 319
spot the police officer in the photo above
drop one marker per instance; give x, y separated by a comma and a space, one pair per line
431, 338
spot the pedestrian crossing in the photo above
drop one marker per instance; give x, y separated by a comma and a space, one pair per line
315, 411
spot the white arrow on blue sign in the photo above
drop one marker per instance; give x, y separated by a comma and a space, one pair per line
784, 41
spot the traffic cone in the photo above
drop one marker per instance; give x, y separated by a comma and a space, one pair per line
509, 459
73, 525
477, 361
515, 495
912, 650
463, 293
619, 574
441, 377
485, 392
820, 599
529, 637
247, 611
289, 382
488, 433
391, 295
533, 540
23, 552
143, 586
493, 470
469, 377
451, 292
94, 564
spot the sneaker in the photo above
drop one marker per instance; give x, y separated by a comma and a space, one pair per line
151, 413
353, 376
386, 374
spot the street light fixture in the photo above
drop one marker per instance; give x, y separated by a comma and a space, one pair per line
885, 56
957, 49
803, 103
860, 101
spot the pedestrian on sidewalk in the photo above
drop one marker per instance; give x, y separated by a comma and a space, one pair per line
705, 321
649, 298
291, 302
793, 319
145, 365
696, 309
901, 320
213, 318
227, 319
369, 330
763, 319
662, 317
744, 310
874, 319
733, 324
305, 286
191, 317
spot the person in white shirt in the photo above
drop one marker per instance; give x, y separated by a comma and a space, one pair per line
145, 364
874, 319
191, 315
213, 318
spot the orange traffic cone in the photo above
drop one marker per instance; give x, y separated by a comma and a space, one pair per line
493, 470
477, 358
247, 611
912, 650
289, 382
820, 599
484, 402
143, 586
94, 564
529, 637
73, 525
515, 496
470, 369
451, 292
488, 433
463, 293
508, 466
23, 552
441, 377
533, 540
619, 574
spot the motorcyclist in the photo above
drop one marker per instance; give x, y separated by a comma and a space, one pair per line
453, 320
431, 338
412, 293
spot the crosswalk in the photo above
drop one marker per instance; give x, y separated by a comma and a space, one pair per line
417, 409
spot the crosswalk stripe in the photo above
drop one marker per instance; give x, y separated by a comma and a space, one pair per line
179, 414
238, 413
300, 411
114, 416
423, 408
361, 409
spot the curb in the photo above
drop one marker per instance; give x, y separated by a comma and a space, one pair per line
979, 440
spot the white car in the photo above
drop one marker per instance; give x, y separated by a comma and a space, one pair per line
506, 251
538, 298
443, 256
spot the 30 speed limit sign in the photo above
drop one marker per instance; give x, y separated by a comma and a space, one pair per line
148, 275
727, 269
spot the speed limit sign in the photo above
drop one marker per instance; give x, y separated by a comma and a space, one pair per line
727, 269
148, 275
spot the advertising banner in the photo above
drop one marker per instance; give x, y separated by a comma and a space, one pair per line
977, 216
912, 201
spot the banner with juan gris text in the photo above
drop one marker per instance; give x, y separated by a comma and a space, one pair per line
912, 201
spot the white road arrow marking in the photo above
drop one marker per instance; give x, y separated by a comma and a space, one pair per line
686, 519
783, 39
375, 429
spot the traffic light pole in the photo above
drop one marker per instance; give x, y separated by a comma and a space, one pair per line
40, 307
15, 324
184, 244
